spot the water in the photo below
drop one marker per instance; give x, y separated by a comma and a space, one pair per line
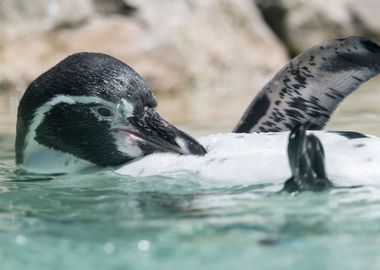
107, 221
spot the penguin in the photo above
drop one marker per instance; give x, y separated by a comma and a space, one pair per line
92, 110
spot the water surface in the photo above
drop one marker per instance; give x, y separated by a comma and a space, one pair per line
107, 221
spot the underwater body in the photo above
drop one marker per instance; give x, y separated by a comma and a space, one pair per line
223, 200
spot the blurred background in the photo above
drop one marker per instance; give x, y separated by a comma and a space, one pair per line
205, 59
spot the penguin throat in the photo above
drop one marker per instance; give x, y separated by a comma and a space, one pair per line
44, 160
38, 158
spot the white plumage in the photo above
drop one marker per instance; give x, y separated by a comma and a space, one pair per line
262, 158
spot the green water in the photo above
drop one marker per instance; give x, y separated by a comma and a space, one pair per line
107, 221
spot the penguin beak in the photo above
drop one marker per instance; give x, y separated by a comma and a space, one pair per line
151, 133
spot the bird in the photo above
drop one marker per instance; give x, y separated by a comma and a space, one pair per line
92, 110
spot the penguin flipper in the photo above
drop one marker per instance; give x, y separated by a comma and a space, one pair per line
312, 85
306, 160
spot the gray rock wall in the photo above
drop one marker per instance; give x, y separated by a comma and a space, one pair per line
301, 24
202, 52
205, 59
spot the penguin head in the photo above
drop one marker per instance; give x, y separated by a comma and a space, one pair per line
92, 109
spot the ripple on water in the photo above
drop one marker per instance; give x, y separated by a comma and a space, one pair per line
107, 221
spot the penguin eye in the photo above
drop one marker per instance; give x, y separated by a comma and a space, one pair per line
104, 111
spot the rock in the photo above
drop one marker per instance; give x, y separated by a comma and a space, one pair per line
304, 23
366, 17
23, 17
211, 55
120, 7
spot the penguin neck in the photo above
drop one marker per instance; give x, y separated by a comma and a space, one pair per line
35, 157
40, 159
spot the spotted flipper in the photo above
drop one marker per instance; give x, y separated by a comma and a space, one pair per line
312, 85
307, 162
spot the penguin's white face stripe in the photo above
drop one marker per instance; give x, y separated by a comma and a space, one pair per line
127, 108
32, 147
